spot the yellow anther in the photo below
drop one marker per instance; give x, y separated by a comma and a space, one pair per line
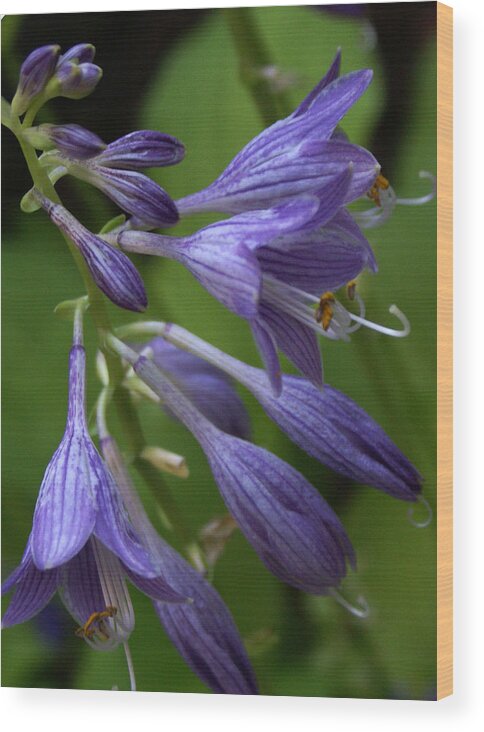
351, 289
324, 311
95, 623
381, 184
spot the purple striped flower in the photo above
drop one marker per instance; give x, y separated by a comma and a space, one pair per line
83, 542
202, 630
271, 266
35, 72
291, 527
295, 155
111, 270
75, 81
114, 168
325, 423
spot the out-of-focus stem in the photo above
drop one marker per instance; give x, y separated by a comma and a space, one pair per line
254, 57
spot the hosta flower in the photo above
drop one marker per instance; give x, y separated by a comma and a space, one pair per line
113, 168
111, 270
326, 423
295, 155
83, 542
291, 527
202, 630
270, 266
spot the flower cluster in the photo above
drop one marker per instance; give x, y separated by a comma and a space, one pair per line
289, 243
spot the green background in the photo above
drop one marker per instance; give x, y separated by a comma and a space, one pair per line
299, 645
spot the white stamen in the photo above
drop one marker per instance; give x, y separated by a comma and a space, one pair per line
129, 661
294, 302
428, 517
376, 216
394, 310
115, 592
362, 611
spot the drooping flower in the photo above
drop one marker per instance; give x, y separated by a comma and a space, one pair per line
289, 524
270, 266
295, 155
111, 270
82, 542
202, 630
326, 423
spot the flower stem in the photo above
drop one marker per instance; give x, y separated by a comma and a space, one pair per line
254, 58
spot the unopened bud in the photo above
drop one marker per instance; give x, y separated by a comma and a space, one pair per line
35, 73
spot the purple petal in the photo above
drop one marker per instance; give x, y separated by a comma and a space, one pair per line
76, 81
266, 344
316, 261
297, 341
73, 140
33, 590
208, 388
291, 527
113, 526
111, 270
331, 75
156, 588
80, 53
257, 173
142, 149
331, 427
80, 587
230, 273
66, 506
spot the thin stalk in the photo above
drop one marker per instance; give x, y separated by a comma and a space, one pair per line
254, 57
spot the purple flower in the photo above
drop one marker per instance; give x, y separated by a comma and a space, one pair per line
81, 53
291, 527
220, 255
295, 155
202, 630
83, 542
325, 423
73, 141
111, 270
35, 72
269, 266
210, 390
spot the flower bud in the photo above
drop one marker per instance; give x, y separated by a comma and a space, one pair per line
74, 81
35, 72
73, 140
81, 53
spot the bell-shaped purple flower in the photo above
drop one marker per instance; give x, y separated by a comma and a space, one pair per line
203, 629
209, 388
111, 270
291, 527
295, 155
255, 262
83, 542
326, 423
35, 72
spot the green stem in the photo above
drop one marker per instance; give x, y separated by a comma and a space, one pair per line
253, 58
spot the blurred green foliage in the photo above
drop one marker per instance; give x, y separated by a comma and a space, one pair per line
300, 645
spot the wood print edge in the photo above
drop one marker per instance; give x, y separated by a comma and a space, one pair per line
444, 352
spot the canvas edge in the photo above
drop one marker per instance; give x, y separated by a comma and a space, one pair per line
444, 351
